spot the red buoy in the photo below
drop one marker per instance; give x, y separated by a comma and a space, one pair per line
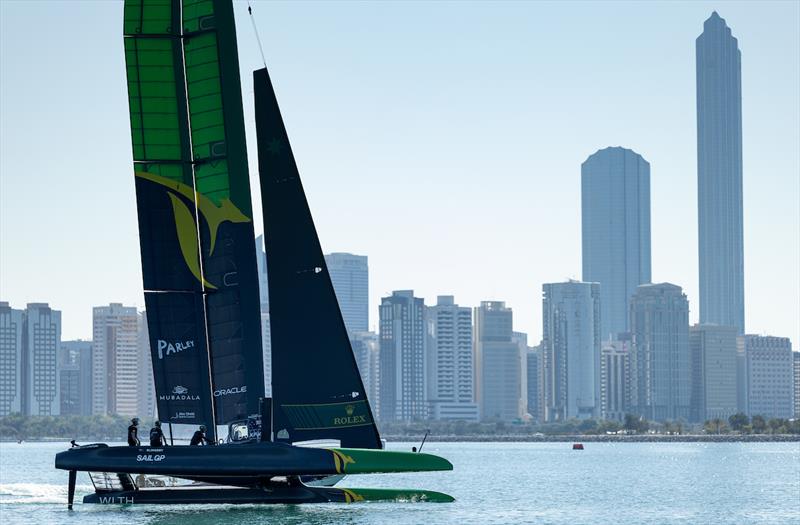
577, 446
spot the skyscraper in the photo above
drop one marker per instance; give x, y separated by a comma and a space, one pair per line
615, 378
451, 373
714, 371
796, 369
571, 350
266, 349
11, 327
115, 360
402, 358
719, 175
261, 263
533, 382
660, 329
367, 354
350, 277
76, 377
41, 341
498, 363
615, 219
146, 389
769, 376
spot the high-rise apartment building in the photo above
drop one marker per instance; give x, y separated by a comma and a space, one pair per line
796, 368
350, 277
450, 369
402, 358
615, 377
769, 376
76, 377
266, 349
498, 363
615, 218
41, 380
719, 175
146, 390
571, 350
714, 371
115, 360
11, 328
660, 330
366, 351
533, 382
261, 263
30, 368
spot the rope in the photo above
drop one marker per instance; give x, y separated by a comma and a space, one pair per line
255, 30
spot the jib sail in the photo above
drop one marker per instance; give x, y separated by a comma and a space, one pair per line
317, 390
194, 206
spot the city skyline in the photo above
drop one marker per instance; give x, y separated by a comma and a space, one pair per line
545, 179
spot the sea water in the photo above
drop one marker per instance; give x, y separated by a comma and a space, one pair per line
493, 483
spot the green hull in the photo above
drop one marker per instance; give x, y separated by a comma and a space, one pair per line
368, 461
396, 495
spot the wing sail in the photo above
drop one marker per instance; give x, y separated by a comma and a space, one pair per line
193, 200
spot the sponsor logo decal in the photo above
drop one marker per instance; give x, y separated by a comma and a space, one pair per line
166, 348
150, 457
179, 393
183, 415
349, 418
233, 390
110, 500
214, 213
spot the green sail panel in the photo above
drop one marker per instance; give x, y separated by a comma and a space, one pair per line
161, 146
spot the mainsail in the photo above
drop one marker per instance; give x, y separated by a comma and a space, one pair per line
194, 207
317, 390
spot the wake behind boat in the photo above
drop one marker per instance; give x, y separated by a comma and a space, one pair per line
201, 292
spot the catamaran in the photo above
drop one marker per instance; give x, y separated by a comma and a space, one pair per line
201, 293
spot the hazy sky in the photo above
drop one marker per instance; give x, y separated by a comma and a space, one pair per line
443, 140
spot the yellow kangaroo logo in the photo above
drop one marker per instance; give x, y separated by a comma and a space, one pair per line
185, 226
340, 461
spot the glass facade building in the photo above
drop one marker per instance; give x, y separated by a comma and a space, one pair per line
615, 225
719, 175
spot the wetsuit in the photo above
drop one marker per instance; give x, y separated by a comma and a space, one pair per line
198, 438
133, 436
157, 437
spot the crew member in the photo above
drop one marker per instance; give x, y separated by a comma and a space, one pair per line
199, 437
157, 436
133, 433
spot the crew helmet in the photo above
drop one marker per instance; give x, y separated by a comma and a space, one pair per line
158, 424
202, 428
135, 421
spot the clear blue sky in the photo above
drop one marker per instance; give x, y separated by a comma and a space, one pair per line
444, 140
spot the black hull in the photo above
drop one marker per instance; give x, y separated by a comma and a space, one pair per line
241, 465
218, 495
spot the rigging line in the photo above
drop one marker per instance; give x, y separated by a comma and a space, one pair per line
255, 30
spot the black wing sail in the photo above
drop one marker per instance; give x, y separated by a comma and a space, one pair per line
317, 390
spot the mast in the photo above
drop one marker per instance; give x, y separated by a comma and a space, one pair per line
317, 389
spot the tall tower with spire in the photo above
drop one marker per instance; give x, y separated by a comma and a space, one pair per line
719, 175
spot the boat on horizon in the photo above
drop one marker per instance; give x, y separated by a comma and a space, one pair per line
202, 299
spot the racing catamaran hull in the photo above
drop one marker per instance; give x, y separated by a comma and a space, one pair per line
243, 464
271, 494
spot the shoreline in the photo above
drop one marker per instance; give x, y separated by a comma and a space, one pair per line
635, 438
571, 438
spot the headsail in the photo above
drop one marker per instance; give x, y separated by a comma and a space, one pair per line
193, 196
317, 390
